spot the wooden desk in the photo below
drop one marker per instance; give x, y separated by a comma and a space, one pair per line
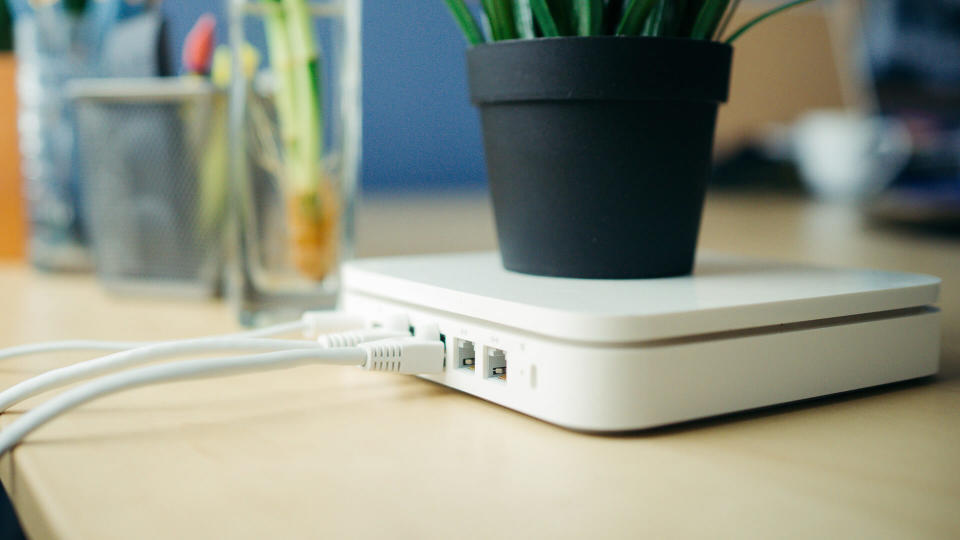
338, 453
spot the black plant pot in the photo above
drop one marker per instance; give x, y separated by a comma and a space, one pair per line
598, 150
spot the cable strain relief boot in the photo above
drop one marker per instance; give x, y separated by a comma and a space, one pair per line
409, 356
317, 323
356, 337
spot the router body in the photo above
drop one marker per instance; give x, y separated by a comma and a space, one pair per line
620, 355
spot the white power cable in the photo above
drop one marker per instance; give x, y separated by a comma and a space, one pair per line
399, 356
82, 370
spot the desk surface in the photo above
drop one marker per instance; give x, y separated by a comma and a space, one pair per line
335, 452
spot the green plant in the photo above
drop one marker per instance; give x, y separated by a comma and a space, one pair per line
312, 207
526, 19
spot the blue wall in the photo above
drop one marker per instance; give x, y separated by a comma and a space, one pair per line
420, 131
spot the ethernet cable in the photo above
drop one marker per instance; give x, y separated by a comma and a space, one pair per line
397, 356
312, 324
94, 345
356, 337
59, 377
71, 345
82, 370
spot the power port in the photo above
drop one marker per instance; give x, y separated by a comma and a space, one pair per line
443, 339
466, 354
496, 364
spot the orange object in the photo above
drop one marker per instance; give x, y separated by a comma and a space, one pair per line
12, 216
313, 221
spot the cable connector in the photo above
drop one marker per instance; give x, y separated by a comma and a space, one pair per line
411, 356
318, 323
356, 337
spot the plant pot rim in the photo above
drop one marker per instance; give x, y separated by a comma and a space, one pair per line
599, 68
635, 39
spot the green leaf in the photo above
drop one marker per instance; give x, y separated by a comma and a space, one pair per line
611, 16
657, 21
468, 25
564, 16
490, 13
589, 16
726, 19
500, 16
488, 21
634, 14
529, 19
523, 16
508, 25
762, 17
486, 27
688, 17
303, 159
544, 18
708, 19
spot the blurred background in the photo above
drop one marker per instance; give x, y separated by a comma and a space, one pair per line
850, 102
893, 57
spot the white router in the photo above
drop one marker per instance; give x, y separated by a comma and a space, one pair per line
617, 355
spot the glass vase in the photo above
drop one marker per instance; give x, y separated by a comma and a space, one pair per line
295, 147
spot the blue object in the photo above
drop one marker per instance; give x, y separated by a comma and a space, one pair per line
103, 16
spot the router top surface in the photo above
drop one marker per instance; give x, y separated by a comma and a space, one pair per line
726, 293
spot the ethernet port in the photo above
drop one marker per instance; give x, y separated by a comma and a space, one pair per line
496, 364
466, 354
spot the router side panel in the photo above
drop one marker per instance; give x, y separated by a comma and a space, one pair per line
684, 382
616, 388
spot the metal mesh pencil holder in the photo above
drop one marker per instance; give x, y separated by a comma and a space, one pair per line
153, 159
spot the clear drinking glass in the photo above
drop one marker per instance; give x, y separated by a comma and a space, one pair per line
295, 147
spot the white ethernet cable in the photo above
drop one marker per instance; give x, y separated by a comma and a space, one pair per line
398, 356
94, 345
82, 370
56, 378
356, 337
312, 324
71, 345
